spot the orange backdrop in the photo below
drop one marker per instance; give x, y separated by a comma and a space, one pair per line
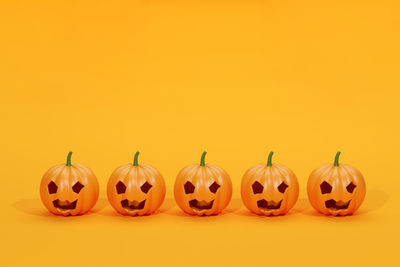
173, 78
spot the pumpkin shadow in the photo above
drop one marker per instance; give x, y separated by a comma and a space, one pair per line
247, 213
34, 206
374, 200
232, 207
300, 206
110, 212
167, 205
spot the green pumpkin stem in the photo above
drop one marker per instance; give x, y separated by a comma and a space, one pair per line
135, 159
69, 159
202, 161
269, 163
336, 164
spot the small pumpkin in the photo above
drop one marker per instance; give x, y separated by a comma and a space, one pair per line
203, 189
336, 189
69, 189
136, 189
269, 189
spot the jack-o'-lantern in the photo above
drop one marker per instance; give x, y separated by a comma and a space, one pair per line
203, 189
269, 189
69, 189
336, 189
136, 189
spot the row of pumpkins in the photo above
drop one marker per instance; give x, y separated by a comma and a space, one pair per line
202, 189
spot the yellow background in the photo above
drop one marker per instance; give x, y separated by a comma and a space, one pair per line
172, 78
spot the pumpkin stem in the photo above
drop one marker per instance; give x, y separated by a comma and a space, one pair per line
202, 161
336, 164
69, 159
269, 163
135, 159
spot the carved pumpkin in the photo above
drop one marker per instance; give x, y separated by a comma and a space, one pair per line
269, 189
136, 189
202, 189
69, 189
337, 189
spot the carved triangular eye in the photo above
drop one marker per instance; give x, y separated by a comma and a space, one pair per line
350, 188
325, 188
146, 187
214, 187
121, 187
52, 187
77, 187
282, 187
257, 187
189, 187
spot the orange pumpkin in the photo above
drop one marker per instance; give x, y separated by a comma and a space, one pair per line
269, 189
69, 189
202, 189
337, 189
136, 189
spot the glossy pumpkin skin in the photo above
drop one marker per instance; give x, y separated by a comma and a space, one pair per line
136, 189
269, 189
203, 189
336, 189
69, 189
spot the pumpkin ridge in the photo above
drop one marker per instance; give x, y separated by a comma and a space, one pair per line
145, 178
60, 169
183, 175
85, 175
211, 173
222, 173
286, 179
262, 171
360, 183
88, 173
339, 181
122, 171
323, 174
78, 176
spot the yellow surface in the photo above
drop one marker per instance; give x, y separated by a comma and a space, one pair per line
172, 78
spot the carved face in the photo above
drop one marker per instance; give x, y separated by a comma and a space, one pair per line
136, 190
203, 190
69, 190
336, 190
201, 205
269, 190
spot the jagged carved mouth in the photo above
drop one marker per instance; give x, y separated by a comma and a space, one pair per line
269, 205
133, 205
64, 205
201, 205
336, 205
